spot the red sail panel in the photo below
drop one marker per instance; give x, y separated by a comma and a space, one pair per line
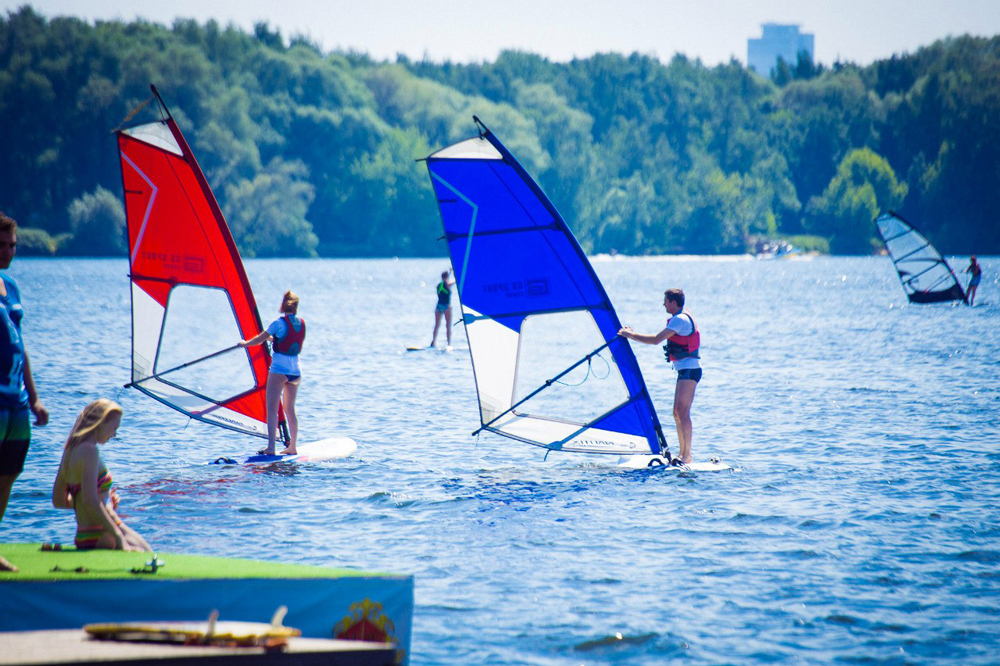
178, 236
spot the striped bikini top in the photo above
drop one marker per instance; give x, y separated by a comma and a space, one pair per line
104, 482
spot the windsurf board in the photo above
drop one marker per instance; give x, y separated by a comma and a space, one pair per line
330, 448
659, 462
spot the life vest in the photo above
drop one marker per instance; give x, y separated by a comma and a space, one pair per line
444, 294
290, 344
683, 346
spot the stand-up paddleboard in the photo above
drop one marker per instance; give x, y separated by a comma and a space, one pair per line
659, 462
325, 449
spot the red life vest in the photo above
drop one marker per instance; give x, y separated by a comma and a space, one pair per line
290, 343
683, 346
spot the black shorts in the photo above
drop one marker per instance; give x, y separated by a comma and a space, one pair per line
15, 437
690, 373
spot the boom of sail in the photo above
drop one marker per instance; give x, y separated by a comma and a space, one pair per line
191, 299
926, 276
550, 368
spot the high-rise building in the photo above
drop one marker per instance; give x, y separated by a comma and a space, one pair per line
784, 41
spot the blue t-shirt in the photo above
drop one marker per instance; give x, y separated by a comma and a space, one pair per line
12, 391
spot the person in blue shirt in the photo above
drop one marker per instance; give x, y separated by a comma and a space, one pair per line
18, 396
287, 334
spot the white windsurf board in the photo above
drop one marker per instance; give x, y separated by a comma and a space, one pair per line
661, 463
330, 448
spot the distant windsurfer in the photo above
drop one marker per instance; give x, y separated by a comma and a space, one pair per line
287, 332
443, 307
977, 275
18, 397
683, 341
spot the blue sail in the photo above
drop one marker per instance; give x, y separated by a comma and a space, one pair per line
549, 366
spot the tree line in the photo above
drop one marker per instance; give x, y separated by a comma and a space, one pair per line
313, 153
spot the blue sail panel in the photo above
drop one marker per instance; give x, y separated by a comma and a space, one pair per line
550, 368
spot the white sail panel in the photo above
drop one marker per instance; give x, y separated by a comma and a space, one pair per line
147, 324
568, 436
494, 362
155, 134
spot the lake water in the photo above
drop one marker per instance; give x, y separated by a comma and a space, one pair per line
862, 524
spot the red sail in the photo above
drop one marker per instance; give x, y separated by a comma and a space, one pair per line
184, 269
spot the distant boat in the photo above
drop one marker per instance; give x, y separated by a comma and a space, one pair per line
550, 367
926, 276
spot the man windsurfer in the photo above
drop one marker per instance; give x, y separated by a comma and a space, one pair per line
683, 341
288, 333
977, 275
18, 397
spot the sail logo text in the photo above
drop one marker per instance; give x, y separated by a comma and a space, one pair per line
519, 288
187, 263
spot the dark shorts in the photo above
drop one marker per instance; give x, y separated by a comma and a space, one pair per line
293, 379
442, 307
976, 279
15, 437
690, 373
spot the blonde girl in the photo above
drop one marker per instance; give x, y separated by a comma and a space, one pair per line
287, 333
84, 484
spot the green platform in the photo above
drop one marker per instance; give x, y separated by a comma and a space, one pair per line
67, 589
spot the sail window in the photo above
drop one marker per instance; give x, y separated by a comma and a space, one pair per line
551, 343
199, 322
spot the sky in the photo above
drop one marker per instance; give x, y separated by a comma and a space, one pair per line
713, 31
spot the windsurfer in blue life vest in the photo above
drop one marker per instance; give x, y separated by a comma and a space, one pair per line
287, 332
977, 275
18, 396
683, 341
443, 306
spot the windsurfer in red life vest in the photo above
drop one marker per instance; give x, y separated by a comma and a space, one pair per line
288, 332
683, 341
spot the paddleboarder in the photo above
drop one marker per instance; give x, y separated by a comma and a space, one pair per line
443, 307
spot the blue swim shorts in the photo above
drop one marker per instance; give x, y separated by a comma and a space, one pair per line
690, 373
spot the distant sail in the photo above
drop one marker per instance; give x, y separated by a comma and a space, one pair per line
191, 299
926, 276
549, 366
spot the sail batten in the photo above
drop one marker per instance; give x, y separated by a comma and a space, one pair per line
550, 369
925, 275
191, 297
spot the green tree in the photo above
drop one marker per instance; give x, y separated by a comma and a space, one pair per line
97, 222
268, 212
863, 186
